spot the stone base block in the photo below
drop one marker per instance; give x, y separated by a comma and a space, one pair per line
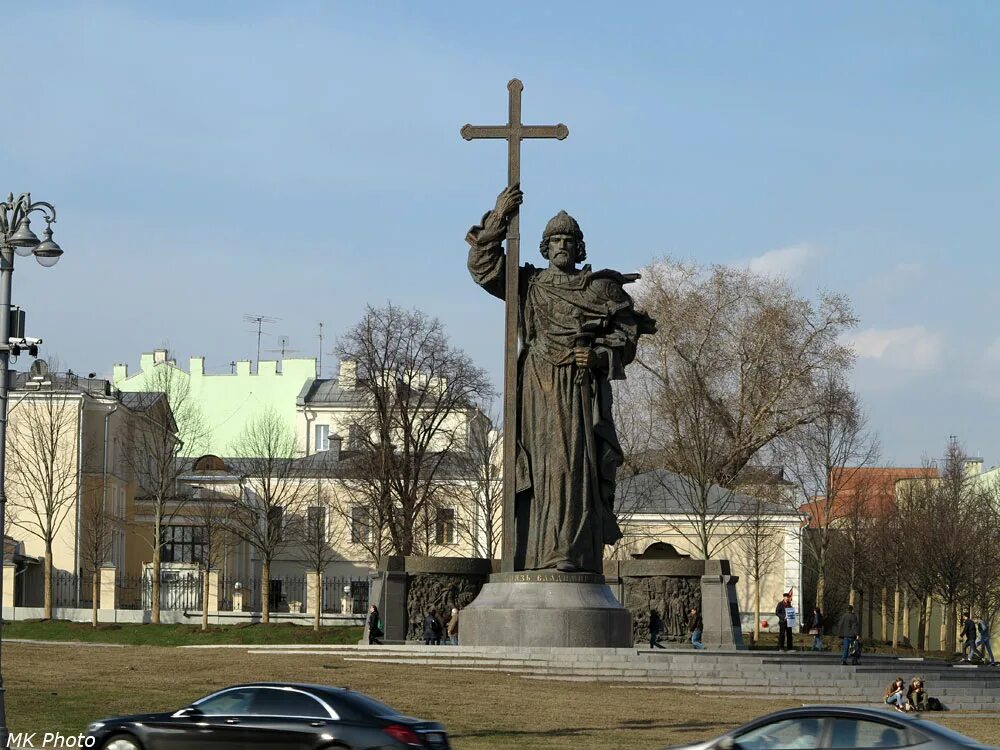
540, 609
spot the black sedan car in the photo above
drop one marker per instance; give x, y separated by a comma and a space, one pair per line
822, 727
273, 715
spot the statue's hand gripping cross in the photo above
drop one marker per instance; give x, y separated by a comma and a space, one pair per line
513, 132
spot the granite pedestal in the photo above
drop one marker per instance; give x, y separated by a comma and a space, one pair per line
546, 609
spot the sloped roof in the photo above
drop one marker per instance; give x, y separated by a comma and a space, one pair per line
664, 491
319, 391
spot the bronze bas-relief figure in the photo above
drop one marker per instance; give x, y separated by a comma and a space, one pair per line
579, 329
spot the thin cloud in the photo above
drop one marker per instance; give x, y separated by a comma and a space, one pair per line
786, 262
909, 348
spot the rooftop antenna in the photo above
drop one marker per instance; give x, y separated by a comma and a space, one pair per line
259, 321
319, 365
283, 341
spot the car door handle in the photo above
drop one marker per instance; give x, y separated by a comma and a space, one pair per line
232, 721
317, 723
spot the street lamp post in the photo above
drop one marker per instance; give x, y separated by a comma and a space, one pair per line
15, 237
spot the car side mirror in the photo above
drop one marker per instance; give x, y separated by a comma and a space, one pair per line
727, 743
192, 711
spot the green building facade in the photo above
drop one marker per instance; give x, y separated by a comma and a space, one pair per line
228, 402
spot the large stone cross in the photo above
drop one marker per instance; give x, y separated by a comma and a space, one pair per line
513, 132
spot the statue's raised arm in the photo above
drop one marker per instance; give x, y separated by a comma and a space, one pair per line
487, 262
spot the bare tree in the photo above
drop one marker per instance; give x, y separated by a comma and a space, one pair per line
758, 545
42, 451
158, 455
751, 353
212, 514
421, 394
97, 536
479, 489
636, 431
945, 513
826, 457
738, 361
273, 493
316, 539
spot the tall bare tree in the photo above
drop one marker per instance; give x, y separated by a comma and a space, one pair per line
211, 513
42, 453
738, 361
317, 540
100, 525
158, 456
827, 456
274, 493
479, 490
945, 513
758, 545
421, 394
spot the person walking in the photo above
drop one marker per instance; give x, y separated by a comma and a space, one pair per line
816, 629
695, 627
969, 633
848, 628
374, 626
983, 640
453, 627
432, 629
784, 631
655, 628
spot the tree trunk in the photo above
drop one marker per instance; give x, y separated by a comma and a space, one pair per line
265, 592
318, 600
943, 630
756, 613
906, 617
94, 594
154, 616
204, 599
820, 588
928, 612
895, 619
884, 622
47, 586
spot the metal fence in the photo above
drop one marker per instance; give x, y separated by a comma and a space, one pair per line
352, 592
177, 591
69, 590
183, 590
340, 595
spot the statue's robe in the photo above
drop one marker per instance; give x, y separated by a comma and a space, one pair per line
564, 507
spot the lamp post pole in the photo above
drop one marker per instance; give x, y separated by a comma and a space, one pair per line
15, 237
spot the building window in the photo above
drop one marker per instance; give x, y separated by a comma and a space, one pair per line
354, 437
322, 437
316, 522
276, 523
183, 544
444, 526
360, 528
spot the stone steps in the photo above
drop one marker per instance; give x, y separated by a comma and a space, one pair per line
816, 678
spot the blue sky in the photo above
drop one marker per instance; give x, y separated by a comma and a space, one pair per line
300, 160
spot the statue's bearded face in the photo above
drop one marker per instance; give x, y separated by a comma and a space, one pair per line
563, 251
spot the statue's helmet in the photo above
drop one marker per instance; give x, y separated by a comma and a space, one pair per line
563, 223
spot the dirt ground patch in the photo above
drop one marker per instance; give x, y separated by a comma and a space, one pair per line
63, 688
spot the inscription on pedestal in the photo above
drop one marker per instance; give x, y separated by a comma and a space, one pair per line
544, 576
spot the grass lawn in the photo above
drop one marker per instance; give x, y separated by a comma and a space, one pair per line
54, 687
176, 635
